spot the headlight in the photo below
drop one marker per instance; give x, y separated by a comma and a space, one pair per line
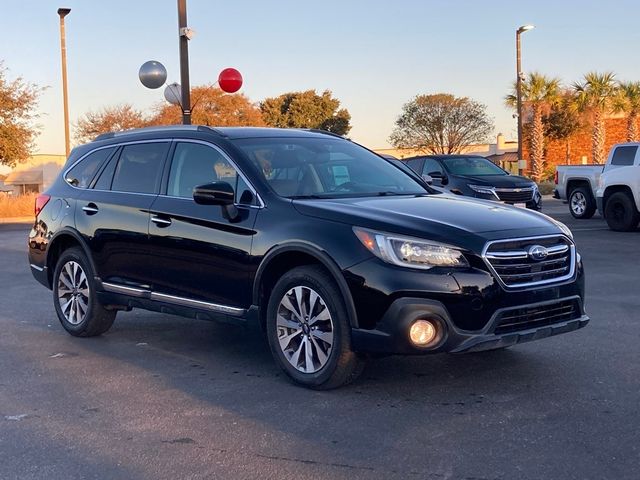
483, 189
410, 252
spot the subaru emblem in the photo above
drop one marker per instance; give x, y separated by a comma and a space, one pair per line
537, 252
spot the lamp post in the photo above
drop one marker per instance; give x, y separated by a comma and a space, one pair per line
519, 32
63, 12
185, 34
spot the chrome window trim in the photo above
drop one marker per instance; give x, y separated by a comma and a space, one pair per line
233, 164
112, 145
568, 276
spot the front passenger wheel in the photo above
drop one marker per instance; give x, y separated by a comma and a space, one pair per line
308, 330
621, 213
74, 296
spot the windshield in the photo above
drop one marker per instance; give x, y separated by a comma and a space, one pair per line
472, 166
325, 168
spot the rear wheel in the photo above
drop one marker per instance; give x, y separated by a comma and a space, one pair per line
74, 296
308, 330
581, 203
621, 213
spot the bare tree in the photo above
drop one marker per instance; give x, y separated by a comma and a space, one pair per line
441, 124
110, 119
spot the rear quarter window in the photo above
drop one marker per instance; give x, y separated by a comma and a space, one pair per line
81, 175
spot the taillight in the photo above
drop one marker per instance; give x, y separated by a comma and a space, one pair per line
41, 201
555, 177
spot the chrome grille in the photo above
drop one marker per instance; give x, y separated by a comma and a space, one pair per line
516, 264
515, 195
525, 318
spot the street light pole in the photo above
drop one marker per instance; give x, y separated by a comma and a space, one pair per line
184, 61
519, 32
63, 12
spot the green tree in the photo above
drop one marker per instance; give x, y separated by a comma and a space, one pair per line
110, 119
212, 107
306, 110
539, 93
18, 103
628, 101
441, 124
563, 121
595, 95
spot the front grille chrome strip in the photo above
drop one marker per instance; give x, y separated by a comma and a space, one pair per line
514, 275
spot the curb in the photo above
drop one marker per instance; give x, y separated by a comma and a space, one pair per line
25, 220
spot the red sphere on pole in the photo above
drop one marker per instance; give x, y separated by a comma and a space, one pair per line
230, 80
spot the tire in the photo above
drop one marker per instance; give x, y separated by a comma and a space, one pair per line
621, 213
581, 203
73, 288
330, 362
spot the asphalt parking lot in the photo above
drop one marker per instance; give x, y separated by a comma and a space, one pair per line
164, 397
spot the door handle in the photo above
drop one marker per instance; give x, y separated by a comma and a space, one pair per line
90, 209
160, 222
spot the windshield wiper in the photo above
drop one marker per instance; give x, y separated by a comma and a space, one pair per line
394, 193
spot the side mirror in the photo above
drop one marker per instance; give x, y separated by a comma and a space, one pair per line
427, 178
216, 193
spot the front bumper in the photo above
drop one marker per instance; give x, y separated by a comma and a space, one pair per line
391, 334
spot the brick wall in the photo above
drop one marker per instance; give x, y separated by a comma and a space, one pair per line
580, 144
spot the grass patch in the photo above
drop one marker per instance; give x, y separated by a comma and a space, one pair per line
546, 188
17, 206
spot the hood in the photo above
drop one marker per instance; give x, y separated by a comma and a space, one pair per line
460, 221
499, 181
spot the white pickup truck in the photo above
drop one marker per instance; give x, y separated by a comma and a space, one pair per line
577, 184
618, 190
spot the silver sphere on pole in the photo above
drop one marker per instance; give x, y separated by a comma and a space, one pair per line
173, 93
152, 74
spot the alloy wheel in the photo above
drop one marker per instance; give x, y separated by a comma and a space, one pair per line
305, 329
73, 292
578, 203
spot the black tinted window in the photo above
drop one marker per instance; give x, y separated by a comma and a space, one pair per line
415, 164
139, 167
196, 164
624, 155
81, 175
105, 177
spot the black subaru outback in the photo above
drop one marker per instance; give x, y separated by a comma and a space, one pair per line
334, 251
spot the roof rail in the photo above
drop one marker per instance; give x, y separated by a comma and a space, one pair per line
161, 128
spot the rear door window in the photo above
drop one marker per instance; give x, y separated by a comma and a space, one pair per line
624, 156
140, 167
81, 175
416, 164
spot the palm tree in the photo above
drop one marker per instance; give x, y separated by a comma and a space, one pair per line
539, 93
596, 96
628, 100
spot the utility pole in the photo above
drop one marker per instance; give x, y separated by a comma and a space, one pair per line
520, 30
63, 12
184, 33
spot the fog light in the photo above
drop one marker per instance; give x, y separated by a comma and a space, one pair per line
422, 332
